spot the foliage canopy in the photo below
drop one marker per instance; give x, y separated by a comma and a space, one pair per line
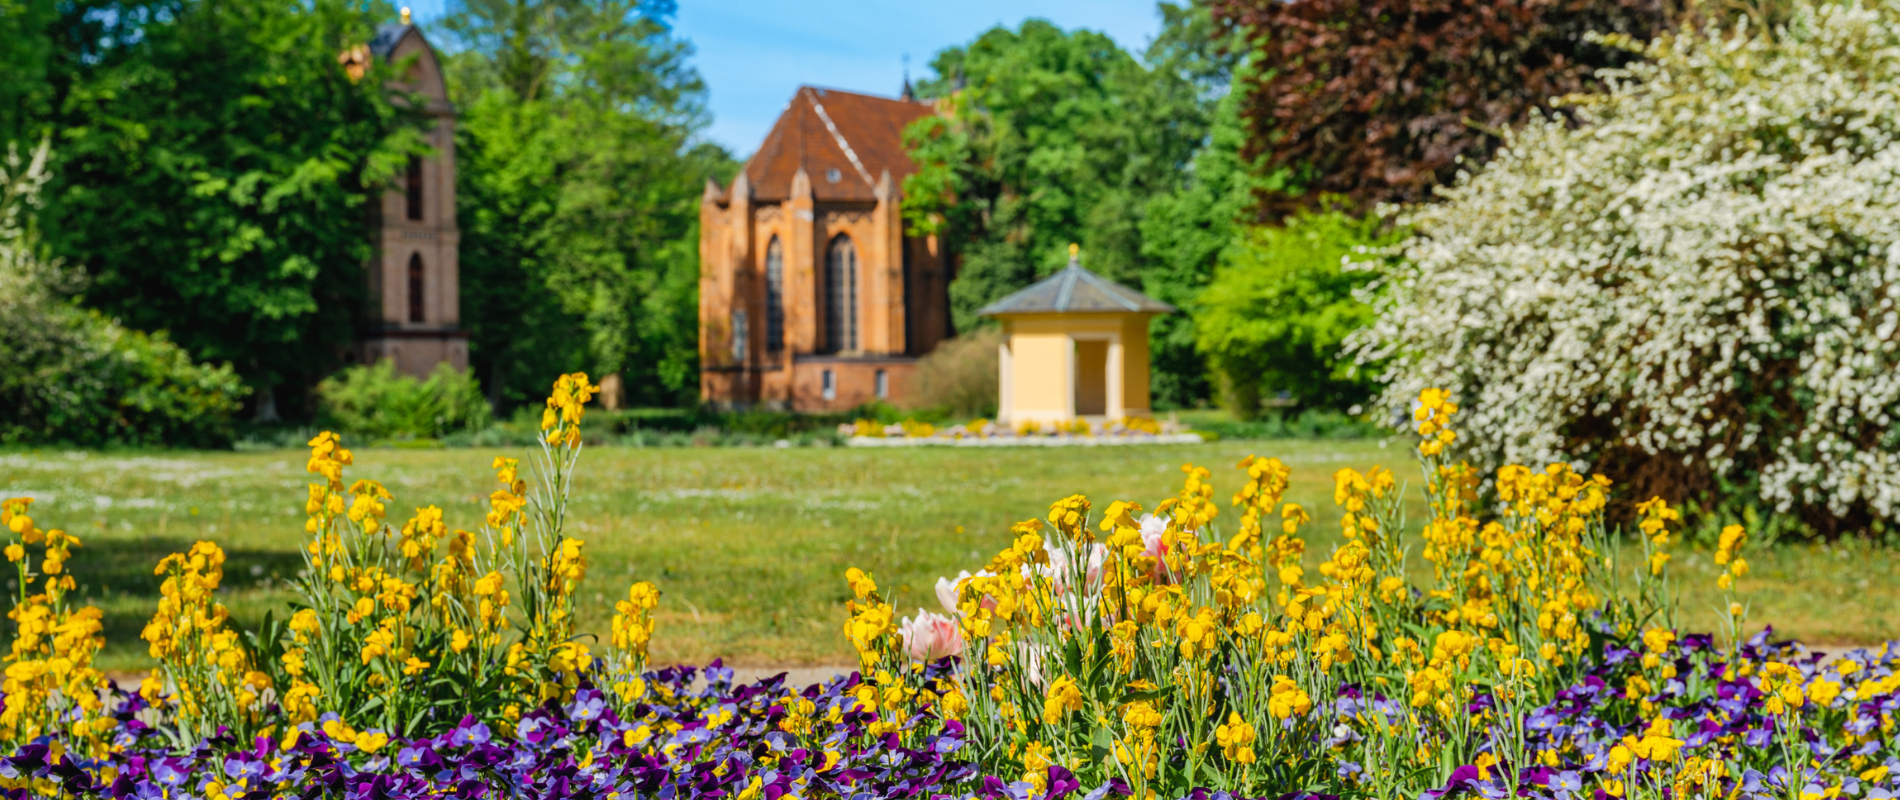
1380, 100
71, 376
1045, 138
214, 161
1048, 137
1186, 231
581, 187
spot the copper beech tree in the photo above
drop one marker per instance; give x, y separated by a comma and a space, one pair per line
1377, 100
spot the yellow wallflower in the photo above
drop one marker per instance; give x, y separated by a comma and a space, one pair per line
1063, 697
1287, 699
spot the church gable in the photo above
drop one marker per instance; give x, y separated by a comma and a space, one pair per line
394, 43
842, 140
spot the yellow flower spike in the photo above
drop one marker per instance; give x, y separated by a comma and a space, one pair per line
1292, 517
1657, 561
1120, 514
1067, 515
861, 584
1062, 698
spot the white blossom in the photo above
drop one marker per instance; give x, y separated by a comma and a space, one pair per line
1703, 270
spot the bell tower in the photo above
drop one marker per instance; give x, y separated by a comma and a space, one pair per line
415, 294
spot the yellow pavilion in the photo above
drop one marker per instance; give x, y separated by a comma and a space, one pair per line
1075, 347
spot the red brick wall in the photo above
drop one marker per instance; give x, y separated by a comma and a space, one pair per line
856, 382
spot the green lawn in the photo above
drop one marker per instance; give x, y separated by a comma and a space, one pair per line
750, 545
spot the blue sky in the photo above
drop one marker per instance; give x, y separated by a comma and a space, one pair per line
755, 53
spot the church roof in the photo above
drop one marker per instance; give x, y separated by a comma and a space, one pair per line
387, 36
843, 140
1075, 290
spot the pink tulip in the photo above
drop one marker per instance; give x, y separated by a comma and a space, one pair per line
947, 592
1032, 658
948, 589
930, 637
1057, 571
1154, 544
1152, 530
1098, 557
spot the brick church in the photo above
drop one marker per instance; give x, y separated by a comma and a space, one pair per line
811, 295
415, 296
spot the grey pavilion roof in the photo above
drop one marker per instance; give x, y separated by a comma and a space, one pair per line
387, 36
1075, 290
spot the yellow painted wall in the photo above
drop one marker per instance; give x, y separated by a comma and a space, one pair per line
1040, 366
1135, 400
1039, 362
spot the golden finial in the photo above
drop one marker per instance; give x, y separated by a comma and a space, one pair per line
405, 15
1074, 250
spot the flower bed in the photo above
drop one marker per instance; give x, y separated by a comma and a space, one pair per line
762, 740
1541, 660
984, 433
1122, 653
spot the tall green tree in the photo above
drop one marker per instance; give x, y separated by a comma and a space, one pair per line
1185, 232
25, 88
581, 180
71, 376
1048, 137
214, 162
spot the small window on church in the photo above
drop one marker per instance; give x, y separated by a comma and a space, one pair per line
415, 288
829, 388
413, 183
833, 176
883, 385
739, 335
774, 297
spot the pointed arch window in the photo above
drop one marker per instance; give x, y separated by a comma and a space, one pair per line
841, 295
415, 288
412, 184
774, 297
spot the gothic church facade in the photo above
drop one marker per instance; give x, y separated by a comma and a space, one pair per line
811, 295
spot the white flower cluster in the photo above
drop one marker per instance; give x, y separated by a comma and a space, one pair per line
1704, 271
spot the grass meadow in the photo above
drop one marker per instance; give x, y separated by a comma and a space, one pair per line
749, 545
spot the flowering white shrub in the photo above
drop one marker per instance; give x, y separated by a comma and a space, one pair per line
1694, 286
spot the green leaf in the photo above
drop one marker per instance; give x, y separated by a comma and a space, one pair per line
1101, 744
1141, 697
